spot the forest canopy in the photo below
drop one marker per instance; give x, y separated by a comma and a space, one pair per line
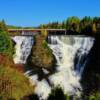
85, 25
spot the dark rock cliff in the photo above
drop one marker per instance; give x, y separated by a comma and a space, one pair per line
91, 75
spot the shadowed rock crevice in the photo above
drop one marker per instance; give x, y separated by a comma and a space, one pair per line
91, 74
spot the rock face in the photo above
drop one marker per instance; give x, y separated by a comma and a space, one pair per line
41, 55
91, 76
67, 75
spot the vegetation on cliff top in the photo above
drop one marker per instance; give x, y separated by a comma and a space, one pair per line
6, 44
41, 55
3, 26
87, 25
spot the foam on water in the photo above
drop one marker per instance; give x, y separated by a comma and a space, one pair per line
23, 48
68, 74
71, 53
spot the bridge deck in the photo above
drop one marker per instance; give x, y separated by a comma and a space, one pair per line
11, 30
36, 31
32, 32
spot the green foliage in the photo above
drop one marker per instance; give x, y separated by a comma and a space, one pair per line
3, 26
6, 45
45, 46
18, 27
13, 27
72, 23
85, 25
94, 96
58, 94
53, 25
96, 20
44, 32
13, 84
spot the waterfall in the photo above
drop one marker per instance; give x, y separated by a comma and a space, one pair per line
22, 48
71, 53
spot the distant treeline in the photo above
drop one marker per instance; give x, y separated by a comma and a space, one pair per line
3, 26
18, 27
86, 25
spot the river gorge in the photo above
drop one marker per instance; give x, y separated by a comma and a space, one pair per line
71, 54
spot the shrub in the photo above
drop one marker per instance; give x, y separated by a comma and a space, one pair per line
58, 94
13, 84
95, 96
6, 45
45, 46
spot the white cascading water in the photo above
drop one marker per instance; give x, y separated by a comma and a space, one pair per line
71, 55
69, 74
66, 49
23, 48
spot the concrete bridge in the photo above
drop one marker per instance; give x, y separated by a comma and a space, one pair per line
32, 32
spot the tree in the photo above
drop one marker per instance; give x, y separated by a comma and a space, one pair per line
63, 25
6, 45
3, 26
43, 26
86, 25
57, 94
94, 28
96, 21
72, 23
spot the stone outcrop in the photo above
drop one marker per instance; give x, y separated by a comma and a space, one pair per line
41, 55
